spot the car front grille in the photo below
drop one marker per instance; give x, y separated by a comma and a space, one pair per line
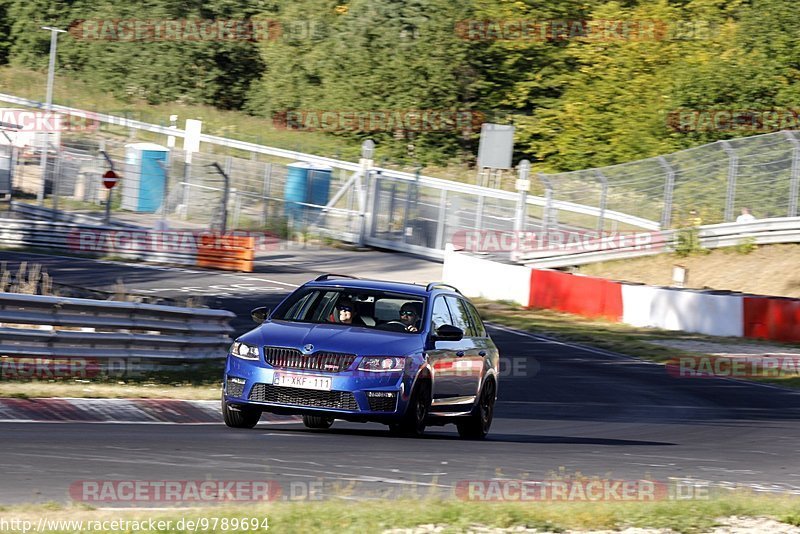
329, 362
339, 400
382, 404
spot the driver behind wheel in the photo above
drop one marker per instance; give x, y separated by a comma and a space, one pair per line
410, 315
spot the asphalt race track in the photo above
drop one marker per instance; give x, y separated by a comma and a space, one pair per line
561, 409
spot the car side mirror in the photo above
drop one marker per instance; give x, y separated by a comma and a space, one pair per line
259, 315
448, 332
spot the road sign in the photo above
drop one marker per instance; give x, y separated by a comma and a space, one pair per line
110, 179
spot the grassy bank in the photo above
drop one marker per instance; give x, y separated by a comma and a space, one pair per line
454, 516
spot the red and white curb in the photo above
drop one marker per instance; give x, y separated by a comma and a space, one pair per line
141, 411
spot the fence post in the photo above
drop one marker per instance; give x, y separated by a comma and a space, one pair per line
56, 180
548, 201
794, 185
266, 192
187, 175
367, 151
523, 185
669, 188
600, 177
442, 218
733, 163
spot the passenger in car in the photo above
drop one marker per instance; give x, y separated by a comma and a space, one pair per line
347, 313
410, 315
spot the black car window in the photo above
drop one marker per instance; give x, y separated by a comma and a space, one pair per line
440, 314
318, 305
477, 323
459, 315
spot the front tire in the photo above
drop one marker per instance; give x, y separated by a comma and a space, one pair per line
241, 418
318, 422
476, 426
413, 423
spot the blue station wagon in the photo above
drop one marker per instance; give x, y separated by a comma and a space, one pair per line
338, 347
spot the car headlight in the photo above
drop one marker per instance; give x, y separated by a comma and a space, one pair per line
382, 364
244, 351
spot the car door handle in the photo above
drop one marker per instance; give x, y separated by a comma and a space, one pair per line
460, 353
482, 353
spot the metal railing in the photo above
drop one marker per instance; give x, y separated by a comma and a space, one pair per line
33, 326
130, 244
417, 213
761, 232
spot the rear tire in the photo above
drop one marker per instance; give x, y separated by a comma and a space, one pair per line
413, 423
476, 426
318, 422
241, 418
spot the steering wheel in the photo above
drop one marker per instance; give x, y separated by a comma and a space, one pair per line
395, 326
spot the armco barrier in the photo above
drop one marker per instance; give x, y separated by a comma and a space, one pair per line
226, 252
83, 328
772, 318
581, 295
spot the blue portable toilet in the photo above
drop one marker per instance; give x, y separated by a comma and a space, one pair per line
144, 181
307, 183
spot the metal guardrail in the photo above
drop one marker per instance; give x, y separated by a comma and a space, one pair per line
67, 237
81, 328
762, 232
42, 213
423, 181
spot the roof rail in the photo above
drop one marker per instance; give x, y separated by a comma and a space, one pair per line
433, 285
322, 277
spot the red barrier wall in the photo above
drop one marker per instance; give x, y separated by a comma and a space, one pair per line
772, 318
582, 295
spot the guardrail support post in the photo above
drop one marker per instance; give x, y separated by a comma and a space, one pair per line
733, 163
794, 184
523, 185
265, 192
669, 188
548, 202
442, 220
600, 177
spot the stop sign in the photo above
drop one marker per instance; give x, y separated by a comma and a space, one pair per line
110, 179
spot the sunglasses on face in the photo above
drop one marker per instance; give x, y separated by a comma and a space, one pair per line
345, 309
407, 312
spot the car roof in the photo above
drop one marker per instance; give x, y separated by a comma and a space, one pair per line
381, 285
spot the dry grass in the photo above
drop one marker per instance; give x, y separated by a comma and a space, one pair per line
338, 515
43, 389
768, 270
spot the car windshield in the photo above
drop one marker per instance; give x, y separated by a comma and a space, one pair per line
375, 309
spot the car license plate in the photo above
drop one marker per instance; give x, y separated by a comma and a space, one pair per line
321, 383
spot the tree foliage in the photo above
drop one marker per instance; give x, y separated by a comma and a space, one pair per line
577, 100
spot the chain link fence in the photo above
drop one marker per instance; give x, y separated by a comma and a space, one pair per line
414, 212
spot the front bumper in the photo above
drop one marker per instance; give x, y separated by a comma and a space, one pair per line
250, 383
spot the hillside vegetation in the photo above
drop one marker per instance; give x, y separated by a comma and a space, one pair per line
579, 96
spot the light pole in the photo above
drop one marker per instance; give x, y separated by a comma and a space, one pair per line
51, 71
